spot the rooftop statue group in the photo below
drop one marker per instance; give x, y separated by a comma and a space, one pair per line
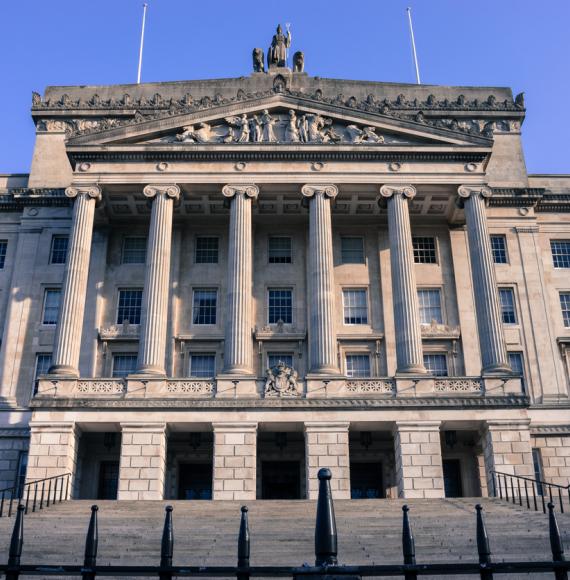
277, 54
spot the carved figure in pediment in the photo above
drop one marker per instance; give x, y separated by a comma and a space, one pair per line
277, 53
315, 124
371, 136
299, 61
257, 56
355, 134
255, 129
243, 124
230, 136
329, 134
281, 381
267, 121
190, 135
303, 130
291, 130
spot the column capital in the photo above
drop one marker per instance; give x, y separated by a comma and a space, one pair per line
169, 189
327, 189
246, 189
93, 191
466, 191
388, 190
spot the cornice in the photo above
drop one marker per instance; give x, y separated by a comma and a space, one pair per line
16, 199
549, 430
515, 197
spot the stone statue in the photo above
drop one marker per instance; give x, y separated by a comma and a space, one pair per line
299, 61
267, 121
277, 53
201, 135
371, 136
519, 100
291, 130
329, 134
314, 125
258, 59
302, 127
255, 129
243, 124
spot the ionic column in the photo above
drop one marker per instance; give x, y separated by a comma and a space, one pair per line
70, 320
238, 351
152, 346
489, 321
322, 336
409, 354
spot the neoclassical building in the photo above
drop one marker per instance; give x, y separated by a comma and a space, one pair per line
210, 289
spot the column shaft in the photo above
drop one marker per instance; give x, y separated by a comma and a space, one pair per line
152, 347
70, 321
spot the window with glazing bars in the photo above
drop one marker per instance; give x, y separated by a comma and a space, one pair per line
3, 249
203, 365
352, 250
129, 309
280, 250
436, 364
124, 364
357, 365
565, 306
52, 298
207, 250
280, 305
430, 306
355, 306
43, 363
516, 363
560, 253
507, 301
134, 250
204, 306
58, 253
275, 357
499, 249
424, 250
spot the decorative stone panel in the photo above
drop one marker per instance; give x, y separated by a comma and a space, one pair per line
326, 445
235, 447
143, 461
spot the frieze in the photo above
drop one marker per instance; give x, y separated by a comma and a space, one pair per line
436, 330
120, 331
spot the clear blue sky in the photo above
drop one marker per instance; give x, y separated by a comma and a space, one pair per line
524, 44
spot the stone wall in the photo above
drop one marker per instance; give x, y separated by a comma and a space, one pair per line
12, 443
555, 456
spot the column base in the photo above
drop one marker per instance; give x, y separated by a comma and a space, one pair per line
497, 369
64, 371
411, 370
149, 371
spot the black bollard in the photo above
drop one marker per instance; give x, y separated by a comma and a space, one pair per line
325, 528
91, 543
16, 545
408, 544
556, 544
167, 544
243, 544
483, 547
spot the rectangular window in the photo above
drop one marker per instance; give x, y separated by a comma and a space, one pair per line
424, 250
355, 306
357, 365
204, 306
3, 249
436, 364
134, 250
207, 250
280, 303
430, 306
280, 250
130, 303
58, 253
560, 253
537, 465
43, 364
123, 365
21, 472
565, 306
499, 249
516, 362
273, 358
203, 365
52, 298
507, 302
352, 250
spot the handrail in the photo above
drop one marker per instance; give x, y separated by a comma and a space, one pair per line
39, 493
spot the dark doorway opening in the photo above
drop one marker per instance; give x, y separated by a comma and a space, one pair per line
452, 478
195, 481
366, 480
280, 480
108, 480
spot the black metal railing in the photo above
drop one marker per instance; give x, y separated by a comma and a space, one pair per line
528, 492
326, 553
35, 495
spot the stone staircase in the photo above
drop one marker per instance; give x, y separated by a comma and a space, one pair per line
205, 533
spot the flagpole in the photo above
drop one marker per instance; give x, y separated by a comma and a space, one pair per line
409, 11
145, 6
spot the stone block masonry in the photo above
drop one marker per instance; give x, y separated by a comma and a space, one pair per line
235, 447
13, 442
143, 461
555, 457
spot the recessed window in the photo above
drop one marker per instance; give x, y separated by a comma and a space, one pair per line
123, 365
352, 250
355, 306
3, 249
357, 365
430, 306
507, 302
130, 305
280, 305
436, 364
560, 253
207, 250
204, 306
424, 250
516, 363
499, 249
134, 250
43, 364
52, 299
203, 365
58, 253
273, 358
565, 306
280, 250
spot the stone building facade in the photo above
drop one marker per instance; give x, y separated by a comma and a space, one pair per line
211, 289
